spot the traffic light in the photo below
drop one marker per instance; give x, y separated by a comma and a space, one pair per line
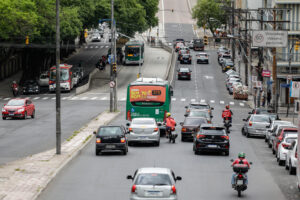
85, 33
114, 68
297, 45
205, 40
27, 40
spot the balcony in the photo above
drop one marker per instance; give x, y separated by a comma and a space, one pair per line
284, 57
287, 1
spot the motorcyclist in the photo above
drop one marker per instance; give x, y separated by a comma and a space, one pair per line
240, 160
14, 87
227, 113
103, 58
170, 124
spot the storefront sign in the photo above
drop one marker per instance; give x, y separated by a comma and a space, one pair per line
266, 73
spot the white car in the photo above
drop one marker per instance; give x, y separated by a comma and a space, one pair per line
223, 57
43, 80
143, 130
96, 37
202, 58
272, 129
283, 147
153, 183
291, 158
231, 72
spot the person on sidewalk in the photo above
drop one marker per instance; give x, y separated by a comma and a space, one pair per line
269, 97
263, 100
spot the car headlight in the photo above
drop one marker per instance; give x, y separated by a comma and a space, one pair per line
3, 110
21, 110
37, 87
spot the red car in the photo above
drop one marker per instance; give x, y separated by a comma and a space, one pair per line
280, 136
18, 108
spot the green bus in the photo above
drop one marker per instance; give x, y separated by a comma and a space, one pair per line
132, 52
148, 97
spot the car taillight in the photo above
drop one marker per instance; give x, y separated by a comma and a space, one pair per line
128, 115
155, 129
123, 140
189, 73
133, 188
98, 140
240, 176
296, 154
130, 129
183, 130
200, 136
226, 137
165, 115
173, 189
285, 145
250, 123
179, 73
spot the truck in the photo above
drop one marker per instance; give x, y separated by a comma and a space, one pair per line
198, 45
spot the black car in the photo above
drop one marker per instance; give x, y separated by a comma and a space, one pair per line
191, 126
199, 106
31, 87
186, 59
182, 52
211, 138
184, 73
111, 138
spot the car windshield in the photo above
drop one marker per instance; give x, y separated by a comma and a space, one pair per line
153, 179
108, 131
229, 63
186, 56
226, 56
138, 121
214, 131
43, 76
290, 139
291, 132
16, 102
184, 70
198, 106
29, 82
199, 114
260, 118
194, 121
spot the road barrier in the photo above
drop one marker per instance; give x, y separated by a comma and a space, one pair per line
86, 87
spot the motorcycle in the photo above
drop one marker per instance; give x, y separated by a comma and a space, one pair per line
240, 177
100, 65
172, 135
227, 124
15, 90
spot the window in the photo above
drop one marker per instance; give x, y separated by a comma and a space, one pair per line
108, 131
153, 179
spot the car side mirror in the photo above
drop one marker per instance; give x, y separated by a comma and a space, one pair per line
250, 163
94, 132
211, 116
185, 115
268, 126
249, 113
159, 124
231, 160
244, 120
178, 178
181, 123
185, 107
129, 177
128, 124
212, 108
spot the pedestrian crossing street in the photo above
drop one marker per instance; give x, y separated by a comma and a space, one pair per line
106, 98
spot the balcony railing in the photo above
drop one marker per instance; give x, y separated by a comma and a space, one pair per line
286, 70
284, 57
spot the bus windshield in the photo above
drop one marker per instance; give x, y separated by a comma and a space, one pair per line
147, 93
133, 51
64, 74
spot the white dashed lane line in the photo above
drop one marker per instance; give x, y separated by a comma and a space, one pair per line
222, 102
212, 101
182, 99
173, 99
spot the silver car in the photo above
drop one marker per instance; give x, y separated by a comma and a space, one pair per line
256, 125
153, 183
273, 126
143, 130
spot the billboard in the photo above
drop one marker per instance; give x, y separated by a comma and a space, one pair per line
269, 38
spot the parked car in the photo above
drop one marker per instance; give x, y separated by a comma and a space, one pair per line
184, 73
191, 44
153, 183
211, 138
231, 72
30, 87
282, 132
200, 113
43, 80
190, 126
202, 58
291, 162
227, 65
273, 126
199, 106
223, 57
231, 81
143, 130
18, 108
256, 125
222, 49
186, 59
278, 128
232, 76
178, 40
283, 148
274, 116
110, 139
233, 85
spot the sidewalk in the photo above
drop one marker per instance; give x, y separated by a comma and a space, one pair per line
25, 179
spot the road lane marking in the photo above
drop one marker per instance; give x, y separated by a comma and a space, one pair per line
212, 101
101, 47
74, 98
86, 47
83, 98
96, 47
222, 102
209, 77
45, 98
104, 98
123, 99
106, 46
242, 104
35, 98
94, 98
65, 98
53, 97
231, 103
202, 101
182, 99
6, 98
91, 47
192, 100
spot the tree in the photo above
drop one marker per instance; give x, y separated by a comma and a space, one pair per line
151, 8
209, 13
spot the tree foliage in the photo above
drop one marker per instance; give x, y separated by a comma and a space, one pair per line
210, 13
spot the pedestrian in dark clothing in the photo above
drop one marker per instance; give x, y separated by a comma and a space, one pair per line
269, 97
263, 96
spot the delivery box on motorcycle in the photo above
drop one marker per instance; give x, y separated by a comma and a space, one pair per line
240, 168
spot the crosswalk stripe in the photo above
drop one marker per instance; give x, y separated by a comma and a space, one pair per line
106, 46
65, 98
6, 98
173, 99
123, 99
231, 103
202, 100
35, 98
242, 104
96, 47
74, 98
45, 98
91, 47
53, 97
101, 47
103, 98
222, 102
83, 98
182, 99
193, 100
212, 101
86, 47
0, 97
94, 98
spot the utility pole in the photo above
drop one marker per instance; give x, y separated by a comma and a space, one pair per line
57, 80
232, 31
261, 50
114, 58
111, 104
274, 71
247, 53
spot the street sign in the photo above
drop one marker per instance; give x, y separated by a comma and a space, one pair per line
295, 89
112, 84
284, 85
269, 38
266, 73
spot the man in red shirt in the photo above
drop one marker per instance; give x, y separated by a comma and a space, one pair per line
240, 160
227, 113
170, 124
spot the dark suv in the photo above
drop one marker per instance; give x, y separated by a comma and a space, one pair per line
111, 138
211, 138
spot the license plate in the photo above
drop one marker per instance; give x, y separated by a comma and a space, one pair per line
240, 182
212, 146
154, 193
143, 137
11, 114
110, 146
